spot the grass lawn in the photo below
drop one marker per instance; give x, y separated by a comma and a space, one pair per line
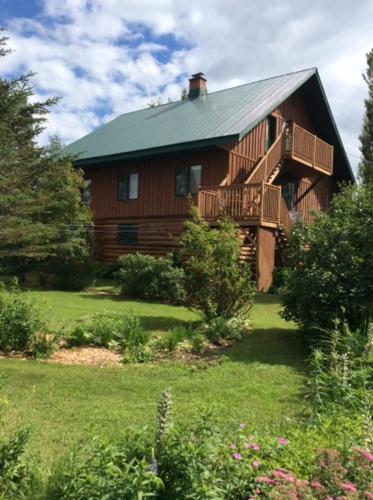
259, 381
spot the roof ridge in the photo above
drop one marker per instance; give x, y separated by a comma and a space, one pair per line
221, 90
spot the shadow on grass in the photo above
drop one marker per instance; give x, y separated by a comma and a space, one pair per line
165, 323
273, 346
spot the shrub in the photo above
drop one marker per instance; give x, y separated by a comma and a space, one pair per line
72, 273
146, 277
20, 319
233, 329
43, 345
112, 471
341, 378
124, 333
331, 265
216, 283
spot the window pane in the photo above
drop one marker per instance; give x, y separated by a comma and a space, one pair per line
122, 187
195, 178
181, 185
133, 186
128, 234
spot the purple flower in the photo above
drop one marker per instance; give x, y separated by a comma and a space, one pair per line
256, 464
236, 456
316, 485
366, 454
265, 480
153, 466
255, 447
282, 441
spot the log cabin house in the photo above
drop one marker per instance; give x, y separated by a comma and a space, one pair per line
265, 153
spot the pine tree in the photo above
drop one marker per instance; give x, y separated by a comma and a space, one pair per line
366, 137
42, 217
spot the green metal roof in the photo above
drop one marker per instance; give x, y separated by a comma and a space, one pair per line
217, 117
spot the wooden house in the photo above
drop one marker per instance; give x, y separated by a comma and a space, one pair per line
265, 153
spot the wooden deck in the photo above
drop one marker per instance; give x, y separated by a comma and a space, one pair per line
255, 204
308, 149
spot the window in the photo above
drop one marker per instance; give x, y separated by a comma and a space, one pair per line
86, 191
270, 132
128, 234
289, 191
128, 187
188, 179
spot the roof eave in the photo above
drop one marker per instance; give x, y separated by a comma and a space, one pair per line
184, 146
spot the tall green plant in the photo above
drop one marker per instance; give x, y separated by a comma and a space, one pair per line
366, 137
216, 283
331, 266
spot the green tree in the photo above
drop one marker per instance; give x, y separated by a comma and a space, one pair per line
366, 137
331, 265
42, 217
216, 283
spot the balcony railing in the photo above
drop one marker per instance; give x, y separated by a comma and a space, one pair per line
256, 203
309, 149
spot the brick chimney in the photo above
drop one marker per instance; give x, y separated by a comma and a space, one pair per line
197, 86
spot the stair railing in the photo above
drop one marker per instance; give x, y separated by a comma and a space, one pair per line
270, 160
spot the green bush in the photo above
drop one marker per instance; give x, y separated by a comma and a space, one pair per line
20, 319
331, 266
43, 345
233, 329
146, 277
71, 273
341, 379
112, 471
216, 283
102, 330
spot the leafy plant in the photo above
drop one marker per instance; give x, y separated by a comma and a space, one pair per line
150, 278
216, 283
232, 329
20, 319
331, 266
43, 345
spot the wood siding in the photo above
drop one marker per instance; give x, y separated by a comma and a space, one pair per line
156, 195
313, 193
246, 153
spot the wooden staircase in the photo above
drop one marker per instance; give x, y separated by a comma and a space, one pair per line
247, 237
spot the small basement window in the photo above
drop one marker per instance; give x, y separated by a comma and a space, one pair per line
187, 180
128, 187
128, 234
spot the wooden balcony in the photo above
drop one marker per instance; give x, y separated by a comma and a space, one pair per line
254, 204
309, 150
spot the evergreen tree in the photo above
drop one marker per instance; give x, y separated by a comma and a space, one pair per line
366, 137
42, 217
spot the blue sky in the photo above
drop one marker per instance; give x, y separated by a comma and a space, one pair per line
106, 57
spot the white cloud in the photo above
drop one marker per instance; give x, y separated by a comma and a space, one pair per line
96, 54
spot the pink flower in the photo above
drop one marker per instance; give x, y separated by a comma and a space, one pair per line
367, 455
368, 495
232, 446
282, 441
349, 487
283, 475
316, 485
265, 480
256, 464
236, 456
255, 447
246, 445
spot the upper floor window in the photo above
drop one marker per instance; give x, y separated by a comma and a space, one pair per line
128, 187
270, 136
188, 179
86, 191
